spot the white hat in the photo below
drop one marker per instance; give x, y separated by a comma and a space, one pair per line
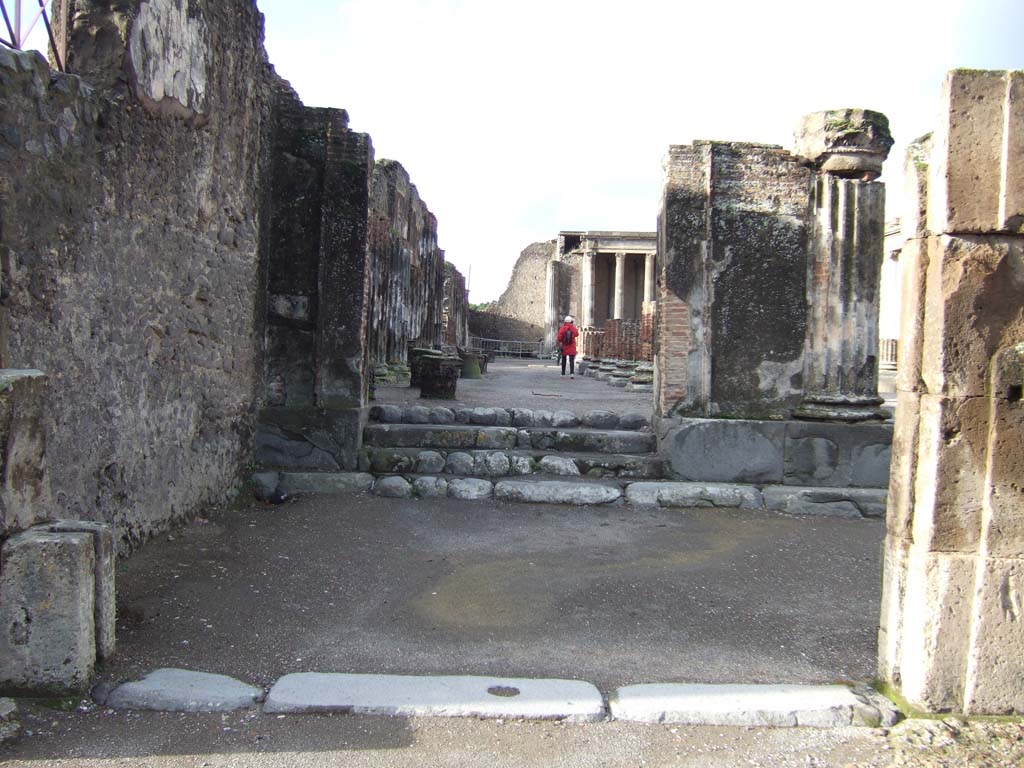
568, 318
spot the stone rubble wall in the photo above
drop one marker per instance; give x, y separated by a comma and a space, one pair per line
952, 622
130, 238
524, 299
456, 308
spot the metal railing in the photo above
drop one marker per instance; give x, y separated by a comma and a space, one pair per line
505, 347
18, 32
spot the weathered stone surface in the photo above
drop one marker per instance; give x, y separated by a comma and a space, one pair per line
9, 725
977, 172
325, 482
492, 464
497, 438
277, 448
524, 440
559, 465
835, 502
484, 416
390, 460
815, 706
25, 497
388, 414
430, 463
47, 611
555, 492
439, 436
688, 495
904, 465
105, 558
470, 489
847, 142
459, 463
394, 487
417, 414
504, 417
961, 334
440, 415
522, 417
832, 454
265, 484
406, 696
1003, 530
600, 420
520, 465
181, 690
634, 420
995, 664
737, 451
591, 440
543, 419
430, 487
564, 419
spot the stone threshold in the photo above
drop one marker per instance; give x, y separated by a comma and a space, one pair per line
818, 706
851, 503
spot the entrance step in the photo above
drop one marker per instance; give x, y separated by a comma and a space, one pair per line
456, 436
477, 463
433, 696
508, 417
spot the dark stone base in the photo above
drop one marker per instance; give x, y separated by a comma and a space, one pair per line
439, 377
795, 453
310, 438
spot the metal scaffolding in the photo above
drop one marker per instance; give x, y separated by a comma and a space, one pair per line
18, 31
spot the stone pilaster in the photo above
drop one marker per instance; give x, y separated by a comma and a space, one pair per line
551, 306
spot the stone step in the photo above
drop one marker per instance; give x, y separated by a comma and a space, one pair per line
458, 436
545, 488
477, 463
509, 417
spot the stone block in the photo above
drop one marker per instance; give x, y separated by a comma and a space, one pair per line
470, 489
520, 465
487, 417
895, 553
393, 487
504, 417
24, 486
559, 465
995, 663
430, 487
388, 414
47, 612
325, 482
417, 414
383, 461
105, 557
181, 690
694, 495
904, 464
522, 417
555, 492
1004, 473
916, 173
564, 420
811, 460
277, 448
831, 502
726, 450
633, 420
441, 415
972, 309
846, 142
490, 464
914, 269
936, 628
459, 463
543, 419
977, 182
265, 484
600, 420
500, 438
950, 475
430, 463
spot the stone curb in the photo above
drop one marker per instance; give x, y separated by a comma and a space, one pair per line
436, 696
817, 706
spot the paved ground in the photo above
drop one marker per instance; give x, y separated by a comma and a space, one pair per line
529, 383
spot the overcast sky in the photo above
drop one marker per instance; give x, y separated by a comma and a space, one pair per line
520, 119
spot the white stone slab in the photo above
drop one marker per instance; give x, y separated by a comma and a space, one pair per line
180, 690
819, 706
556, 492
436, 696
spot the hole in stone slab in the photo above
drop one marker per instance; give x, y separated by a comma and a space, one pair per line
1015, 393
505, 691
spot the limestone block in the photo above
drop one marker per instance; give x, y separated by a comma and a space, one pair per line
430, 487
600, 419
977, 176
995, 664
47, 611
729, 451
441, 415
503, 417
325, 482
914, 267
169, 51
846, 142
904, 464
555, 492
543, 419
950, 476
277, 448
493, 464
459, 463
895, 553
501, 438
430, 463
520, 465
265, 484
694, 495
394, 487
564, 419
388, 414
559, 465
487, 417
182, 690
522, 417
24, 485
633, 420
390, 461
1003, 503
811, 460
973, 308
104, 578
914, 222
937, 610
417, 414
832, 502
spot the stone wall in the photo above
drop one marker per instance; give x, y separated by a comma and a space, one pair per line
488, 325
525, 296
456, 308
952, 624
407, 268
129, 237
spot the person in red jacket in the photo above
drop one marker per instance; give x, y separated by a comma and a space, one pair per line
567, 336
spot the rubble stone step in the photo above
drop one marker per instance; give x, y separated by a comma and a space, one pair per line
508, 417
457, 436
545, 488
477, 463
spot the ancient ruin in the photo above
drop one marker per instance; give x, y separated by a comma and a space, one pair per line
200, 273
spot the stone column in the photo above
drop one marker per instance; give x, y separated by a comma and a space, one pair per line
952, 621
620, 286
648, 278
587, 303
551, 306
844, 264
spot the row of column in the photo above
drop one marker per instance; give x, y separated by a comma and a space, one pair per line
618, 308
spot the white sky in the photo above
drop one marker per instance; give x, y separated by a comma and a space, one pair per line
518, 119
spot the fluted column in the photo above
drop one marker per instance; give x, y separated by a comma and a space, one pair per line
620, 286
587, 302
